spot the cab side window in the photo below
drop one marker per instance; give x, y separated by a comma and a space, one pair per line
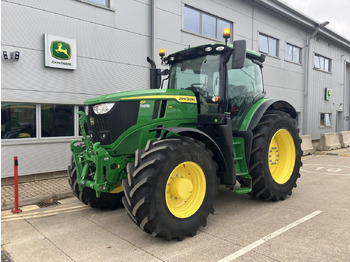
244, 84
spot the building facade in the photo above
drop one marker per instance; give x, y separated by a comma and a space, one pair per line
307, 64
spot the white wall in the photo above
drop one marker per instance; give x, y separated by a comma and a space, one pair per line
112, 46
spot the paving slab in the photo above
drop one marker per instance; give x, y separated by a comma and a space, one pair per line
35, 192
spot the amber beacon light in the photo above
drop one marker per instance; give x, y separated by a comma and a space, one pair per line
161, 52
226, 34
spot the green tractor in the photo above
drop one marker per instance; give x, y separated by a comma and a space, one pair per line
163, 152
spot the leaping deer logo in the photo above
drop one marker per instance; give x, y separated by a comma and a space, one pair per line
60, 50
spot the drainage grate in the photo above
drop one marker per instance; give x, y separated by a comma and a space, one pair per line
49, 203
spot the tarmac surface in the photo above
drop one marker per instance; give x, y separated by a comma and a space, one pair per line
312, 225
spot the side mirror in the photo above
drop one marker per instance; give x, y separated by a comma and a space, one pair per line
239, 54
155, 77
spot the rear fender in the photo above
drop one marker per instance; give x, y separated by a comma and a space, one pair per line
273, 104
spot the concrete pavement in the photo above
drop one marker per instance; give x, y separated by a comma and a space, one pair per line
311, 225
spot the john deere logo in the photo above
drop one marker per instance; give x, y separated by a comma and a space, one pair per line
60, 50
92, 121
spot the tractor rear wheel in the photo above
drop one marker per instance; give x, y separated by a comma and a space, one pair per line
276, 156
88, 195
170, 187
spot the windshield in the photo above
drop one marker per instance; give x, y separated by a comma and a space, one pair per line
201, 75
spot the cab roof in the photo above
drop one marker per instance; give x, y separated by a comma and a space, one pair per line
212, 49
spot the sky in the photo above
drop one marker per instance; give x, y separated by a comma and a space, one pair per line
337, 12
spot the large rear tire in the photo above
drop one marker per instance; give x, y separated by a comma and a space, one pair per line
170, 187
88, 195
276, 156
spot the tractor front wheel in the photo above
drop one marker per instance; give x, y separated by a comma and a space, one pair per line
110, 200
170, 187
276, 156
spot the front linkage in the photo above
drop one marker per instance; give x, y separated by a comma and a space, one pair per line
96, 168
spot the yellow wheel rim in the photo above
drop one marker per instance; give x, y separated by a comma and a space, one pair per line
117, 190
281, 156
185, 189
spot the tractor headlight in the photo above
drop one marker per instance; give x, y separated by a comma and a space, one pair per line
102, 108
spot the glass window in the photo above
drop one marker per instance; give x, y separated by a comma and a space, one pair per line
192, 20
244, 84
293, 53
272, 46
100, 2
268, 45
205, 24
296, 55
208, 25
201, 75
57, 120
222, 24
18, 120
263, 44
326, 65
317, 61
289, 52
322, 63
325, 120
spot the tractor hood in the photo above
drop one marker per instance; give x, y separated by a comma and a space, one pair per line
184, 96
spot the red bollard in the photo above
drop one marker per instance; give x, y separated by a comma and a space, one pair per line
16, 210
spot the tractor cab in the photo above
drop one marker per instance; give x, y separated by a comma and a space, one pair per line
224, 78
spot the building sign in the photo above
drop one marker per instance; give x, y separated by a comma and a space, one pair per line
60, 52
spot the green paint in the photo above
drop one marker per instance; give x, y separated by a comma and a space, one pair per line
109, 168
248, 117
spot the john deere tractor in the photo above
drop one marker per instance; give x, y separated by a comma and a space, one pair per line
162, 152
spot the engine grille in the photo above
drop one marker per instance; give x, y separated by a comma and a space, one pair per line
106, 128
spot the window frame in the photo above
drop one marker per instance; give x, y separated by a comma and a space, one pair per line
268, 51
324, 120
323, 68
39, 138
109, 5
293, 47
42, 126
200, 33
35, 108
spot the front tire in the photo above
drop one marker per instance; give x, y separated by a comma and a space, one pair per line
276, 156
88, 195
170, 187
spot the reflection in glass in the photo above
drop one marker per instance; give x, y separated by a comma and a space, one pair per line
57, 120
18, 120
192, 20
